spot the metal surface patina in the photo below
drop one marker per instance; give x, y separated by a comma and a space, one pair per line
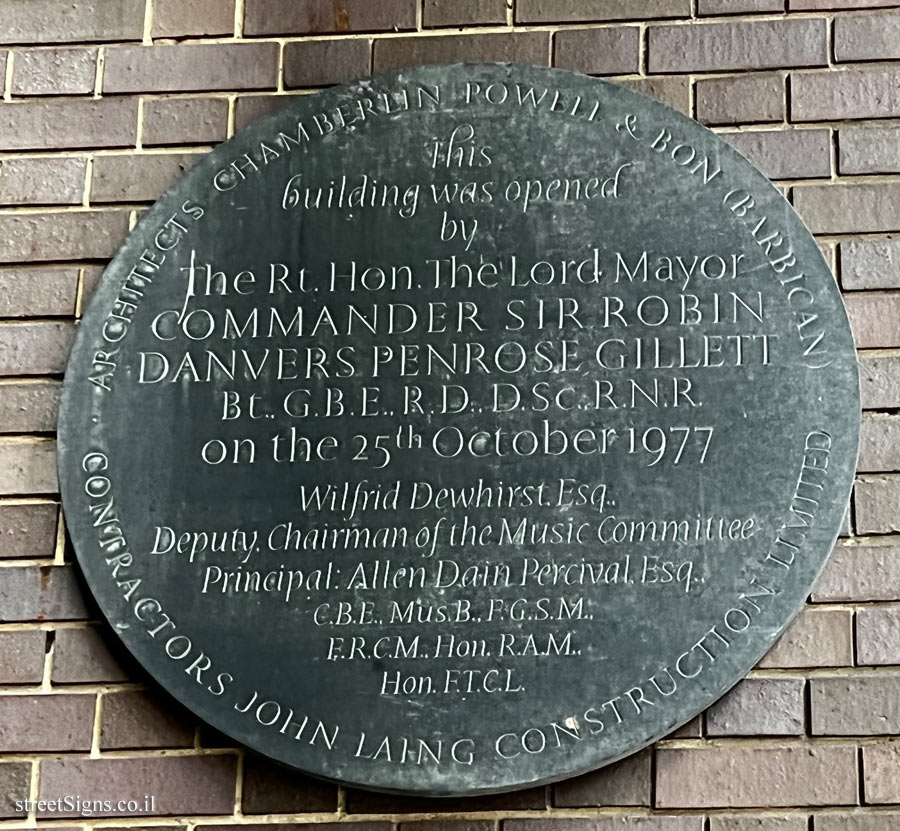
459, 430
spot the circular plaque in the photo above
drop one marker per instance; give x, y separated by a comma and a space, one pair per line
459, 430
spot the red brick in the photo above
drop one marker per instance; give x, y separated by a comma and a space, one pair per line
181, 784
741, 99
247, 108
608, 51
692, 729
28, 530
861, 573
711, 7
90, 277
44, 723
813, 5
141, 178
444, 825
829, 252
176, 18
674, 90
35, 125
731, 776
188, 67
855, 705
52, 181
757, 822
760, 707
712, 47
878, 635
573, 11
846, 529
624, 783
22, 656
15, 782
71, 21
867, 92
818, 637
29, 406
270, 789
40, 593
867, 37
301, 17
367, 825
54, 72
508, 47
877, 504
879, 377
27, 467
849, 207
364, 802
626, 822
463, 12
870, 149
35, 348
875, 318
47, 291
140, 719
881, 773
785, 154
879, 443
185, 120
74, 235
83, 656
317, 63
879, 820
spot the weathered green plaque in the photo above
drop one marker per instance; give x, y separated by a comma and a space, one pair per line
459, 430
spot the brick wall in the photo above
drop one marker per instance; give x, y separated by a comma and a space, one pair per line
105, 101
